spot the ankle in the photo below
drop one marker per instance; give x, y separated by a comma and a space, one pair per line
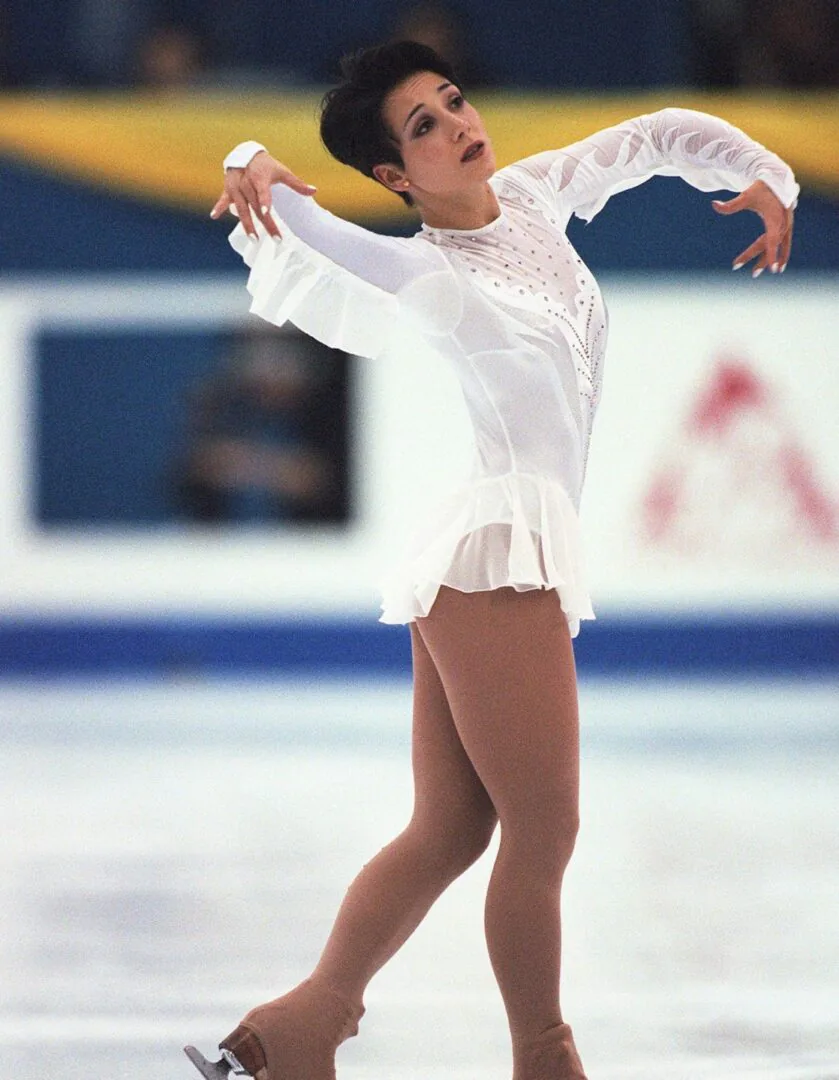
334, 1001
343, 996
549, 1055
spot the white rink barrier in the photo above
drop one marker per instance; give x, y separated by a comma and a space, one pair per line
713, 480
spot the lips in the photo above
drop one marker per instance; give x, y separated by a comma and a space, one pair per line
472, 151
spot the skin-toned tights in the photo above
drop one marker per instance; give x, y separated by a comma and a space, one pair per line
495, 739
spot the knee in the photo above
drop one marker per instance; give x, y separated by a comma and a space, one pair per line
562, 839
475, 840
567, 838
454, 843
466, 846
544, 848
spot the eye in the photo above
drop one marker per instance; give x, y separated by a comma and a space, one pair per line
457, 102
424, 126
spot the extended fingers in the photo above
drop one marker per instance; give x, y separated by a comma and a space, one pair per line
296, 184
771, 250
234, 200
222, 204
260, 206
754, 250
786, 248
730, 206
786, 243
263, 172
260, 180
773, 244
778, 220
247, 192
243, 211
262, 203
238, 197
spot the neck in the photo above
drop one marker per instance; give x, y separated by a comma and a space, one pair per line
468, 210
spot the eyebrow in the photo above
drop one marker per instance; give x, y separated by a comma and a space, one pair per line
416, 108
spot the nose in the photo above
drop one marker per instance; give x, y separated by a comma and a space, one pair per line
460, 127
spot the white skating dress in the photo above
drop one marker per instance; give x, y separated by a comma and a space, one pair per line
519, 316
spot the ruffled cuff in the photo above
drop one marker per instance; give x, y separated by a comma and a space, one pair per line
291, 282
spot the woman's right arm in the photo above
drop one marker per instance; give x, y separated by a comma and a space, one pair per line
254, 182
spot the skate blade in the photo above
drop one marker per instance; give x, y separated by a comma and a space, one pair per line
228, 1065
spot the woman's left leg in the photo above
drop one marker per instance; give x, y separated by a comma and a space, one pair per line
506, 662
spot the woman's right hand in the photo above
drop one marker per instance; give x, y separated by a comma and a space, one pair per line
249, 191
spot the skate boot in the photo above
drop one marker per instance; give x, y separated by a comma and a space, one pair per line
293, 1037
551, 1055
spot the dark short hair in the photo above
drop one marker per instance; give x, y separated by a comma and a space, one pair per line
352, 125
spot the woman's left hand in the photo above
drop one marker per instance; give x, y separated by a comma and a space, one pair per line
773, 247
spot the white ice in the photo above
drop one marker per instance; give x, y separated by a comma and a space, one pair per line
173, 853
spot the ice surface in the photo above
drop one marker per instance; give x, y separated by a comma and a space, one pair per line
173, 854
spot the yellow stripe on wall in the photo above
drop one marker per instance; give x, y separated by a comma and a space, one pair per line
169, 148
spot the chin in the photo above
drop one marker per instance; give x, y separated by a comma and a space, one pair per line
486, 172
488, 159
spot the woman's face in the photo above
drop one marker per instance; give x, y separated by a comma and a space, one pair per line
441, 138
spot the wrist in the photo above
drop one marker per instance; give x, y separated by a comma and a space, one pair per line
242, 155
785, 189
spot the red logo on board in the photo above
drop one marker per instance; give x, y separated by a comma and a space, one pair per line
737, 480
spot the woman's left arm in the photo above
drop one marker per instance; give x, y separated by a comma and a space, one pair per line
704, 150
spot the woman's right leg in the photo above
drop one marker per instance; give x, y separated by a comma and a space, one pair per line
452, 823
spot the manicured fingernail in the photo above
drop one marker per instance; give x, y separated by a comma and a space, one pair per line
738, 266
264, 211
783, 268
774, 268
253, 236
758, 272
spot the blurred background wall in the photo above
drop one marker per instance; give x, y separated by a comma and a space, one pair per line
182, 489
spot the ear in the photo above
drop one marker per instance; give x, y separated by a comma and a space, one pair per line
392, 177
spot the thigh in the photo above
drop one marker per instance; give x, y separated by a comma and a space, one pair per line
447, 789
506, 663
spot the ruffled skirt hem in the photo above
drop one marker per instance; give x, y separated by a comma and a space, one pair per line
519, 530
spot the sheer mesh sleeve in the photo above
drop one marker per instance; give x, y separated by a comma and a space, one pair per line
390, 263
707, 152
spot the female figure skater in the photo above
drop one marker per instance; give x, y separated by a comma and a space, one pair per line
493, 588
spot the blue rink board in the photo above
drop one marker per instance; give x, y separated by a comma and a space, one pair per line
40, 647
